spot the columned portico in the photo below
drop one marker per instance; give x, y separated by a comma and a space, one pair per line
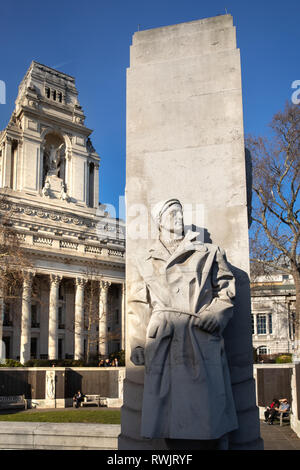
26, 318
53, 316
103, 337
51, 171
58, 321
79, 319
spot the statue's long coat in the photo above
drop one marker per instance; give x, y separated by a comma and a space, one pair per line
187, 389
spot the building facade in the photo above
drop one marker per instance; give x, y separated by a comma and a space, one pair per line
72, 300
273, 306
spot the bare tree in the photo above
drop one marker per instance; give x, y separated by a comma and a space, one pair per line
13, 264
13, 258
96, 337
275, 232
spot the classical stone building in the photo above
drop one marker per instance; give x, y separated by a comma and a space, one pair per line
50, 179
273, 306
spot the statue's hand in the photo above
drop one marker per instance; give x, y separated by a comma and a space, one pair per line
138, 356
208, 322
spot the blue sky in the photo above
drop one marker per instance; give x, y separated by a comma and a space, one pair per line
90, 40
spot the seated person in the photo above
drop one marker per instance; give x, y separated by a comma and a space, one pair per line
78, 398
282, 407
271, 408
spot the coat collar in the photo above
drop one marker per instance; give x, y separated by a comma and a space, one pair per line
189, 243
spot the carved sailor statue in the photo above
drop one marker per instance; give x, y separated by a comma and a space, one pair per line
180, 301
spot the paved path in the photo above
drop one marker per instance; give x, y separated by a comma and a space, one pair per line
278, 437
275, 437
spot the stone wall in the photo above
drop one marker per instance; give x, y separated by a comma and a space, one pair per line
58, 436
279, 381
31, 382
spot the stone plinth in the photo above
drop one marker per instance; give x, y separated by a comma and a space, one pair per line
185, 140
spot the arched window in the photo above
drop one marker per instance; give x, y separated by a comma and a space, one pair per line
262, 350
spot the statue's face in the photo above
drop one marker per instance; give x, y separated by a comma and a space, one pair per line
172, 219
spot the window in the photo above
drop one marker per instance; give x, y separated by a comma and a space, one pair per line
252, 321
7, 342
33, 348
261, 325
262, 350
61, 318
270, 323
7, 317
55, 95
117, 316
34, 317
60, 348
60, 292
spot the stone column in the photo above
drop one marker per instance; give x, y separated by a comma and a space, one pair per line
26, 318
7, 163
123, 316
53, 316
103, 339
79, 319
255, 323
68, 171
96, 185
2, 346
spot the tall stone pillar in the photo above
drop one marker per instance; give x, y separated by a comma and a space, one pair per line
68, 171
53, 316
185, 140
6, 169
79, 319
103, 314
26, 318
96, 185
2, 346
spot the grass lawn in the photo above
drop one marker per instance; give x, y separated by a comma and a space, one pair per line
65, 416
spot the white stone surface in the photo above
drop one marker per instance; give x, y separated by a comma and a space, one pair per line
58, 436
273, 302
185, 139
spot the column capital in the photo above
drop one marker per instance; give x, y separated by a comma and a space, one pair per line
104, 285
55, 279
28, 277
80, 281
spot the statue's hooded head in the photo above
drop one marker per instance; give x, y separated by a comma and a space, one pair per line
161, 207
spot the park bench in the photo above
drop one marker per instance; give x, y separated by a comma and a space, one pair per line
13, 401
286, 415
93, 400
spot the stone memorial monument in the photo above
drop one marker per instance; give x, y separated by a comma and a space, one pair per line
189, 375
